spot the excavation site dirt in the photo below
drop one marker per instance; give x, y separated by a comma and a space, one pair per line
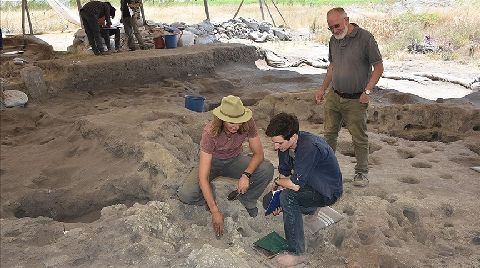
90, 168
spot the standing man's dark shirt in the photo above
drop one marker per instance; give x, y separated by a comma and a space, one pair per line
124, 8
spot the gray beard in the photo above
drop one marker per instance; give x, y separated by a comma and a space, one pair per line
341, 35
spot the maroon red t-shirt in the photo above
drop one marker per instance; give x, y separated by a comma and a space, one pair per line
226, 146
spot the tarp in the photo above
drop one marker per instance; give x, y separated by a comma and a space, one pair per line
66, 12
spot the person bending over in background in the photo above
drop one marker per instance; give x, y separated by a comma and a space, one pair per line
90, 13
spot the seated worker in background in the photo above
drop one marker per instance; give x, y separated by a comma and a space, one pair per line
310, 176
90, 13
221, 155
107, 32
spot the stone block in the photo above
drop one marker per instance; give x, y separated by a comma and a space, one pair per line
34, 81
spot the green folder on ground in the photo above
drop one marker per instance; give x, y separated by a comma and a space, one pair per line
272, 243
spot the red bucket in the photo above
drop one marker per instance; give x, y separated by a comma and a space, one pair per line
159, 42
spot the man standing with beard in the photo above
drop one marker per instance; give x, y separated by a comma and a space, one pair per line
350, 80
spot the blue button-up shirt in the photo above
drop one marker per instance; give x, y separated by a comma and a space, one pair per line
314, 164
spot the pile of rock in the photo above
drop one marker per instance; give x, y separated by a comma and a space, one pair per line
239, 28
203, 33
428, 45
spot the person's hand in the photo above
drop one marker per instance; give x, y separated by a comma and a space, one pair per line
243, 184
296, 187
364, 98
277, 211
217, 222
274, 186
319, 95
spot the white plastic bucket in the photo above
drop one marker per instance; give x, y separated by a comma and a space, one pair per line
186, 39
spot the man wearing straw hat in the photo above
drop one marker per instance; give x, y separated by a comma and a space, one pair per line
221, 155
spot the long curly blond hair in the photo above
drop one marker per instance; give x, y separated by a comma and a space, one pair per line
217, 126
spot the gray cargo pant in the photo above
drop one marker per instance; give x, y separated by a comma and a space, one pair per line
130, 26
190, 192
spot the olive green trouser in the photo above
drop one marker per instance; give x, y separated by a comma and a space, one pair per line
338, 110
190, 192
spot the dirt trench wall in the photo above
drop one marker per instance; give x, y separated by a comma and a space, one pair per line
416, 122
142, 67
427, 122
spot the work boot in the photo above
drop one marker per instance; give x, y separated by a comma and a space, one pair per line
360, 179
253, 212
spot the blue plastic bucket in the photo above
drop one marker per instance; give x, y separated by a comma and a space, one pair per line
171, 41
194, 103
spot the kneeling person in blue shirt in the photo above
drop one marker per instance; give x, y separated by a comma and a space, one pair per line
310, 174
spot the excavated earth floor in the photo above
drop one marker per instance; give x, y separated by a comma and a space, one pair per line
89, 173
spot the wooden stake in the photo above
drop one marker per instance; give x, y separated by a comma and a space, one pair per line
236, 13
205, 5
261, 9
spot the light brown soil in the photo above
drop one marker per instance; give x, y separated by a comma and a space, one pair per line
89, 175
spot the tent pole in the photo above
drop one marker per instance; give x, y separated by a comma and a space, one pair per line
269, 13
261, 9
28, 18
79, 6
23, 17
278, 10
238, 10
143, 14
205, 5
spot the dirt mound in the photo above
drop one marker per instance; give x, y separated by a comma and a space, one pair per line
35, 48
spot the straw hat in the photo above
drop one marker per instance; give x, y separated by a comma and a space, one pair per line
232, 110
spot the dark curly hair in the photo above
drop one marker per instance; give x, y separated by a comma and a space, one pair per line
283, 124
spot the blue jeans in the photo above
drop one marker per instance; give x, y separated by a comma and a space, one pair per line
294, 204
